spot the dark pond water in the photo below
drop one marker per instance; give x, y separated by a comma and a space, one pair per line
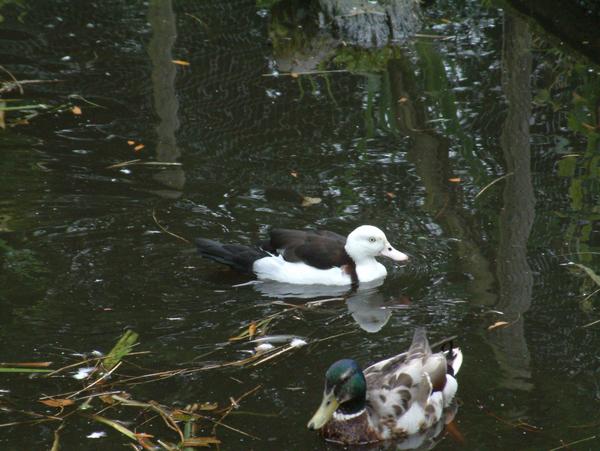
404, 138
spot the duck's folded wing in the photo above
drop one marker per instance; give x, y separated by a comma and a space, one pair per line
321, 249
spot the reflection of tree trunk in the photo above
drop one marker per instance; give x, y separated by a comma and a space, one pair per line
367, 23
430, 157
513, 271
162, 19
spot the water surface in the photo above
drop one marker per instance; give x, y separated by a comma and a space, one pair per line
408, 142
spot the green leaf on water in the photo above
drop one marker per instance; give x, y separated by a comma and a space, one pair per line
120, 350
113, 424
24, 107
24, 370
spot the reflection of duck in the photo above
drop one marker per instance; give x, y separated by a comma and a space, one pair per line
391, 400
368, 309
309, 257
365, 303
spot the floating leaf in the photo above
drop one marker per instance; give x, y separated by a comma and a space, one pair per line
130, 142
41, 106
498, 324
113, 424
56, 402
252, 330
200, 442
23, 370
120, 350
107, 399
390, 195
180, 62
455, 180
588, 126
206, 406
308, 201
2, 123
76, 111
28, 364
138, 147
294, 174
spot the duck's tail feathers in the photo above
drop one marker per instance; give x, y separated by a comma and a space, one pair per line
420, 345
454, 359
236, 256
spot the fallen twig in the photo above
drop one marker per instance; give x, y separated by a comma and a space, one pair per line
234, 404
493, 182
566, 445
166, 231
10, 85
14, 79
139, 162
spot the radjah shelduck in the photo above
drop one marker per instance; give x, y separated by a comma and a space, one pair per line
309, 257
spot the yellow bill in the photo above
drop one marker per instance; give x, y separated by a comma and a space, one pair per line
325, 411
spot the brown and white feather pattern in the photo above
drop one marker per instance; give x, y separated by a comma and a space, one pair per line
406, 393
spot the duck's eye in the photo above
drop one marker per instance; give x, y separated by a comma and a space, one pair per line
372, 239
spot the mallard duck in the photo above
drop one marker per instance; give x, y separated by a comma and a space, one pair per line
391, 399
309, 257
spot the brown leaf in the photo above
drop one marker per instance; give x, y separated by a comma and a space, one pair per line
2, 123
56, 402
390, 195
130, 142
143, 435
107, 399
588, 126
454, 432
252, 329
76, 111
180, 62
197, 442
138, 147
294, 174
28, 364
294, 74
206, 406
498, 324
455, 180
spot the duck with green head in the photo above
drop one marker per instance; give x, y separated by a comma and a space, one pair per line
390, 400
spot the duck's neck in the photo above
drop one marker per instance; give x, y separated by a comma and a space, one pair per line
352, 407
368, 269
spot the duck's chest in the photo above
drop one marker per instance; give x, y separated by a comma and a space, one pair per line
356, 430
370, 271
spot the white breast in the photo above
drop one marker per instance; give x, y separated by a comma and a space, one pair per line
370, 270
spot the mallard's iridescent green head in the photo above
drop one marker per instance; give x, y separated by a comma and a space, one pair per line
345, 388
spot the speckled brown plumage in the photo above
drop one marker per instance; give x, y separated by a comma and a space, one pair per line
405, 395
353, 431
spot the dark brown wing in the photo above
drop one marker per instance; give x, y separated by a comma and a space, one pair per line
318, 248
